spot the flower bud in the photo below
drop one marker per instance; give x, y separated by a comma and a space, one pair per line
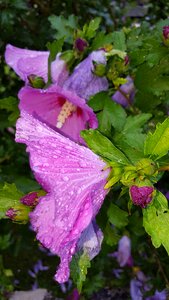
30, 199
141, 196
80, 44
99, 69
146, 166
36, 81
166, 35
19, 213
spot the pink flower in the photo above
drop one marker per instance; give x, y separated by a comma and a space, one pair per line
74, 179
60, 108
141, 196
27, 62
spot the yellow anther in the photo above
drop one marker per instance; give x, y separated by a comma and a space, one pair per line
66, 110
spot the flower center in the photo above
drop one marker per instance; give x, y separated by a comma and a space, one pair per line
66, 110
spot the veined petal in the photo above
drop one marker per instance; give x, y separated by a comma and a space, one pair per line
48, 104
26, 62
91, 240
73, 177
83, 81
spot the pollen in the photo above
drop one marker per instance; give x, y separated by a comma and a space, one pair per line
66, 110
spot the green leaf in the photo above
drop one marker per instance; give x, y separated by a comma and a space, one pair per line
110, 114
101, 40
64, 27
103, 146
90, 30
131, 139
117, 216
79, 266
9, 197
157, 143
55, 47
111, 237
156, 221
10, 104
119, 41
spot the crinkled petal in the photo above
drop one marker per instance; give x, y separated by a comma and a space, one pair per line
48, 103
74, 179
26, 62
124, 251
83, 81
91, 240
128, 89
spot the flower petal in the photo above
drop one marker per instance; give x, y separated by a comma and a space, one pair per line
128, 89
26, 62
83, 81
91, 240
74, 178
48, 103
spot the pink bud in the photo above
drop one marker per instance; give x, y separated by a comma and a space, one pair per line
166, 32
141, 196
30, 199
80, 44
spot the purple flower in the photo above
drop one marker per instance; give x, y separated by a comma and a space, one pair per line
91, 240
27, 62
74, 179
83, 81
30, 199
166, 32
124, 251
141, 196
158, 296
135, 289
74, 295
80, 44
125, 96
60, 108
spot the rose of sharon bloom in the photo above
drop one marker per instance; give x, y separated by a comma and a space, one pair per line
126, 89
74, 179
60, 108
83, 82
141, 196
26, 62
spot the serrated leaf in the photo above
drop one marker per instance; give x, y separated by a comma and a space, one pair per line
64, 27
110, 113
131, 139
55, 47
156, 221
157, 143
79, 266
103, 147
90, 30
117, 216
119, 41
101, 40
9, 197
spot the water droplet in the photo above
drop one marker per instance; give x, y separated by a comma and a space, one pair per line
65, 178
